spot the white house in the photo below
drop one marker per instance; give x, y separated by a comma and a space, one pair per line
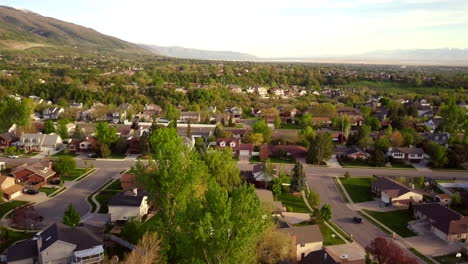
395, 193
127, 205
262, 92
409, 155
52, 112
39, 142
305, 239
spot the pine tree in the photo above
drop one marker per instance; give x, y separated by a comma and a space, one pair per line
71, 217
189, 129
298, 178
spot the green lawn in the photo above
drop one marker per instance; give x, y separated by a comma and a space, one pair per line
29, 154
116, 156
293, 203
359, 189
402, 166
10, 237
48, 191
421, 255
106, 194
449, 259
339, 230
355, 163
327, 233
340, 190
63, 154
395, 220
76, 173
7, 206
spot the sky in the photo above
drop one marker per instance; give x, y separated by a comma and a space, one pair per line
270, 28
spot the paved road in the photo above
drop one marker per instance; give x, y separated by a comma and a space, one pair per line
52, 210
342, 215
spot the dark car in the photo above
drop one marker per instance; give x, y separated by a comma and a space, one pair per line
31, 191
357, 219
55, 182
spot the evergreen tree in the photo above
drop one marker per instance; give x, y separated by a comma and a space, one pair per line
49, 127
298, 178
71, 216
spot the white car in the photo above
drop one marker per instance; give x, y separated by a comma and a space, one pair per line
13, 156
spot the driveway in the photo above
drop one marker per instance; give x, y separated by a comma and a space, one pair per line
333, 162
53, 209
423, 166
377, 206
433, 246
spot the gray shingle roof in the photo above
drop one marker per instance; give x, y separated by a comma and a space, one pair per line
123, 199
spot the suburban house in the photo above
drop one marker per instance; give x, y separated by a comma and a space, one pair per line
194, 117
7, 140
439, 138
394, 193
443, 222
52, 113
433, 123
259, 177
82, 145
408, 155
352, 152
262, 92
152, 110
242, 151
443, 198
127, 205
116, 117
321, 121
351, 253
235, 111
39, 142
295, 151
34, 175
58, 244
9, 188
305, 239
268, 202
237, 133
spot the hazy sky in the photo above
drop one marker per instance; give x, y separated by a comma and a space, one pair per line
270, 28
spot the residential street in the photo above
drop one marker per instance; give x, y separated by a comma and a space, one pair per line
52, 210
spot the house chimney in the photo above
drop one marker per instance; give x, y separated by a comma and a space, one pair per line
294, 248
135, 191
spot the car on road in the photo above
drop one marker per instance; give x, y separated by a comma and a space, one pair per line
31, 191
13, 156
357, 219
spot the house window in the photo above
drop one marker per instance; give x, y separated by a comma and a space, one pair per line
302, 245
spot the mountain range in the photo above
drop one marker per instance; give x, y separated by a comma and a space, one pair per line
25, 30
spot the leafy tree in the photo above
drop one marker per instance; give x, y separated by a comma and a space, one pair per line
309, 135
456, 199
396, 139
325, 213
222, 167
151, 245
320, 149
454, 119
172, 112
438, 154
64, 165
264, 152
62, 129
14, 112
262, 127
274, 247
342, 123
379, 159
383, 144
306, 120
49, 127
104, 151
200, 145
387, 252
365, 141
314, 199
132, 231
71, 217
106, 135
298, 178
373, 122
121, 146
277, 122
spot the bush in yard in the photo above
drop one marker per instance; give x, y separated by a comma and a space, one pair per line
347, 175
71, 217
325, 213
104, 151
456, 199
64, 165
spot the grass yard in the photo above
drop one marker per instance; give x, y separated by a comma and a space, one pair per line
449, 259
402, 166
7, 206
10, 237
359, 189
106, 194
48, 191
421, 255
340, 190
327, 233
339, 230
395, 220
355, 163
63, 154
73, 175
293, 203
116, 156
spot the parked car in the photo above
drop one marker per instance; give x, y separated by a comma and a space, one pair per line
13, 156
357, 219
31, 191
54, 182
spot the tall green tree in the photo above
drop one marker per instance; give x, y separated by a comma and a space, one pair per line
49, 127
222, 167
14, 112
438, 154
172, 112
342, 123
262, 127
454, 119
297, 178
64, 165
321, 148
105, 134
71, 217
62, 128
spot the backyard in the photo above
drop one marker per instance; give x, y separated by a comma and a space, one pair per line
451, 259
293, 203
106, 194
395, 220
327, 234
359, 189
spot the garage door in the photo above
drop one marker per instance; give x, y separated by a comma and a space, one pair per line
244, 153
